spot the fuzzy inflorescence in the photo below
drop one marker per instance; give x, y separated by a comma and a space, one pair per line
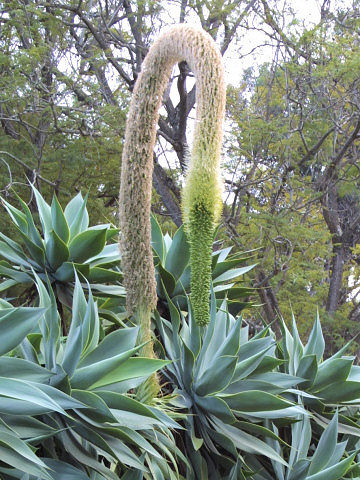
202, 192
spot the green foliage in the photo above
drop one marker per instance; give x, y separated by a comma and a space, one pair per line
248, 398
248, 407
172, 264
65, 245
66, 399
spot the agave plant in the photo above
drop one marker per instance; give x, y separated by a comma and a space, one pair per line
66, 397
328, 461
65, 244
227, 384
335, 380
246, 402
326, 383
172, 267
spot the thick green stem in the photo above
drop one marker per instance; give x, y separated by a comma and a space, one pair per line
150, 388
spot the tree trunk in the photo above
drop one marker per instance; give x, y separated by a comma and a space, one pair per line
336, 276
270, 303
161, 184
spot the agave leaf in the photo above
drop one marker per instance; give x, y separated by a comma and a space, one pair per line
78, 333
224, 266
209, 333
96, 408
316, 342
109, 254
340, 392
217, 376
299, 471
218, 342
133, 475
118, 401
280, 379
14, 406
61, 470
221, 255
157, 239
250, 384
129, 436
167, 242
66, 272
44, 213
175, 322
115, 343
254, 401
33, 232
190, 332
325, 448
308, 369
278, 467
336, 370
8, 271
57, 251
76, 215
84, 326
183, 284
232, 274
166, 331
84, 456
354, 374
284, 413
35, 251
12, 367
301, 439
259, 430
248, 365
115, 370
187, 366
5, 304
90, 326
27, 427
87, 244
18, 217
123, 453
86, 376
247, 443
108, 290
335, 472
14, 255
15, 324
117, 450
338, 454
166, 442
49, 324
166, 280
29, 392
178, 255
59, 222
217, 407
6, 284
15, 452
104, 275
346, 425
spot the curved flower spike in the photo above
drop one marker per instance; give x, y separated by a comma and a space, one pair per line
202, 191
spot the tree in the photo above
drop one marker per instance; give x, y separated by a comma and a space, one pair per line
299, 146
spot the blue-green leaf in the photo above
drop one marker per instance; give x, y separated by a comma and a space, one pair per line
87, 244
59, 222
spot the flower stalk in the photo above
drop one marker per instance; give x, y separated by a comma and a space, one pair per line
202, 192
